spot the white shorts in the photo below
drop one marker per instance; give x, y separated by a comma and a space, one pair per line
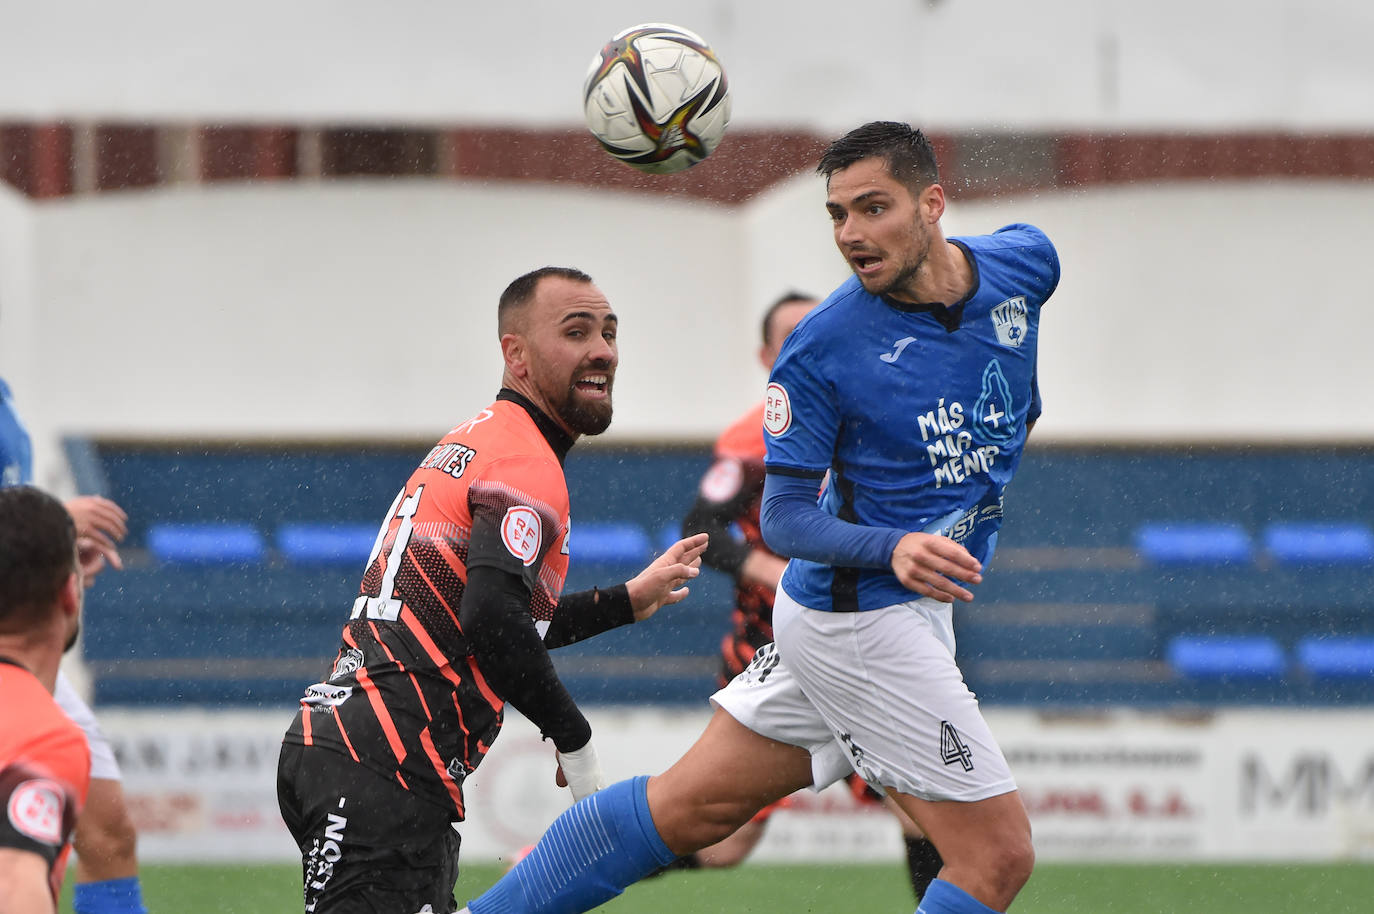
103, 764
875, 692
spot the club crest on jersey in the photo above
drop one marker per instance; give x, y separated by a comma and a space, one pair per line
35, 811
457, 771
350, 661
777, 410
521, 531
1009, 320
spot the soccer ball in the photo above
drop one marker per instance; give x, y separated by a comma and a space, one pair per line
656, 98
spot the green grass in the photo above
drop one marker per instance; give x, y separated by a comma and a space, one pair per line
794, 889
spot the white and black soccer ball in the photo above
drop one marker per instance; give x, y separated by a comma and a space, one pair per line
656, 98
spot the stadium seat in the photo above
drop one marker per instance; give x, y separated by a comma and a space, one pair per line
1228, 656
208, 543
1337, 658
609, 543
1319, 543
1177, 543
313, 544
668, 534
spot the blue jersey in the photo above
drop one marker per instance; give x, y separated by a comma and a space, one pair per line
917, 413
16, 451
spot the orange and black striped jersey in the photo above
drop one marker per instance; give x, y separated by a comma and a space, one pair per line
405, 696
45, 771
730, 495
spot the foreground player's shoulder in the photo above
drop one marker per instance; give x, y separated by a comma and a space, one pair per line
814, 340
1026, 249
524, 470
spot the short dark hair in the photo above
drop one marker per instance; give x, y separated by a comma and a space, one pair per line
908, 153
37, 555
522, 289
786, 299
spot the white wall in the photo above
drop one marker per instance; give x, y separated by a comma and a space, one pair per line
945, 63
1194, 311
367, 308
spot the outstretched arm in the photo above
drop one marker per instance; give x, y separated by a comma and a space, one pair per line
590, 612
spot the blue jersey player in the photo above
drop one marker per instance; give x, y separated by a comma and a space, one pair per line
909, 392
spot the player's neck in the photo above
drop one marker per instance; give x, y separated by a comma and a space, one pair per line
38, 659
948, 277
530, 392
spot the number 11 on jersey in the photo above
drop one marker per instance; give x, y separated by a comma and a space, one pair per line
386, 606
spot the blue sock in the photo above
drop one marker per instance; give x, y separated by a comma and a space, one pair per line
587, 857
113, 896
947, 898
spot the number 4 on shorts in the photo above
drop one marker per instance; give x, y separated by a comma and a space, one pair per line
952, 748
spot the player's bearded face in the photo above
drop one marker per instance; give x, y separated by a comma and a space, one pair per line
878, 228
574, 355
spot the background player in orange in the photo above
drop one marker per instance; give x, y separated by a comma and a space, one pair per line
459, 604
729, 496
44, 763
106, 843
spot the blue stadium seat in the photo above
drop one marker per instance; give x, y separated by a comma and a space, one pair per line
609, 543
206, 543
1320, 543
316, 544
1337, 658
1229, 656
668, 534
1176, 543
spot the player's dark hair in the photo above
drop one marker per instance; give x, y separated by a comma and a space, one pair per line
37, 555
909, 156
522, 289
786, 299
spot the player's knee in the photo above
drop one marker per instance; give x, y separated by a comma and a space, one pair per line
719, 821
708, 823
1015, 860
688, 819
105, 840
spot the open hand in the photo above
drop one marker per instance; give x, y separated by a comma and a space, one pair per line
661, 584
100, 526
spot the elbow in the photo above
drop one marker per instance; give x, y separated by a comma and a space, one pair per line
774, 534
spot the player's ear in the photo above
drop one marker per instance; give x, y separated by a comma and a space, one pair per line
515, 352
932, 202
70, 597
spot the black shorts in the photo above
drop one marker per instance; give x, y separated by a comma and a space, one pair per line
368, 845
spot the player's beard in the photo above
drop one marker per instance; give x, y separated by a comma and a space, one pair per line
904, 282
585, 416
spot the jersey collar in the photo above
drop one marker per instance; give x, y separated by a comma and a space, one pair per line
949, 316
559, 440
